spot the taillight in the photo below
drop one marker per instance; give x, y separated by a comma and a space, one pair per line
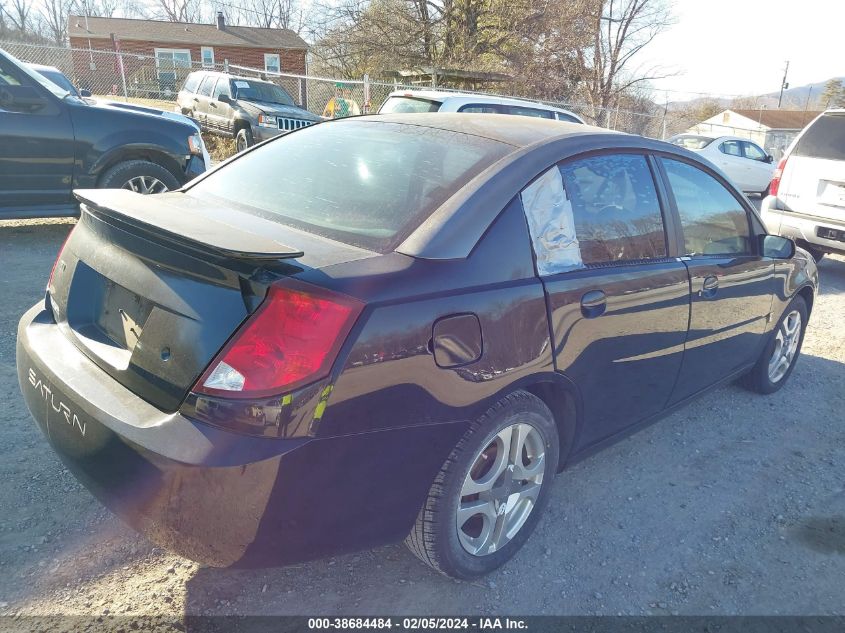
776, 176
291, 340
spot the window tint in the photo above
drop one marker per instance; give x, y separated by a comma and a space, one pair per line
731, 148
565, 117
753, 152
480, 108
596, 210
207, 85
713, 220
222, 88
409, 104
825, 138
192, 82
365, 183
522, 111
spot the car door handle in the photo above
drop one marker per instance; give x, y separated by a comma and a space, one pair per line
212, 105
709, 287
593, 304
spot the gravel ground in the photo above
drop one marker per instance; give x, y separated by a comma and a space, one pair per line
735, 505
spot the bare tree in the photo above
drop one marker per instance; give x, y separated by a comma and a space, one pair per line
178, 10
620, 30
20, 16
54, 15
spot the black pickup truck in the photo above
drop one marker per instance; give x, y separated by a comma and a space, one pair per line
52, 142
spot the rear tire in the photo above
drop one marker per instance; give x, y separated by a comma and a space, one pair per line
488, 484
244, 139
778, 358
140, 176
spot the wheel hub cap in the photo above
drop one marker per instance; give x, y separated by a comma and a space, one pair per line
786, 345
145, 185
501, 489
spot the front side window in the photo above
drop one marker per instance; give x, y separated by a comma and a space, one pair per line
480, 108
753, 152
712, 219
272, 63
207, 85
594, 211
222, 88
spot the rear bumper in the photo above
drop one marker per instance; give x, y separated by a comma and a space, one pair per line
213, 496
801, 227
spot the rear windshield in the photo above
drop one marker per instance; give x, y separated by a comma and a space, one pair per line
825, 138
409, 104
691, 141
365, 183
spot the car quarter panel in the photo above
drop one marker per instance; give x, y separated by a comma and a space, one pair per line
389, 376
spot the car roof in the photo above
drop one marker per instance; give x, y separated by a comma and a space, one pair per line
519, 131
443, 95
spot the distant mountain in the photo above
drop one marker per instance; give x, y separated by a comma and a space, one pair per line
793, 99
796, 98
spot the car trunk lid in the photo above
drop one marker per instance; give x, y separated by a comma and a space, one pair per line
151, 288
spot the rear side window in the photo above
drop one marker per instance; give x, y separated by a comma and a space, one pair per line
731, 148
825, 138
192, 82
712, 219
207, 85
480, 108
399, 105
522, 111
594, 211
365, 183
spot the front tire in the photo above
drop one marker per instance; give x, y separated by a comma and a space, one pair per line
778, 359
140, 176
490, 493
244, 139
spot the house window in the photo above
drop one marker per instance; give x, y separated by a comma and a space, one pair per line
207, 53
272, 63
172, 66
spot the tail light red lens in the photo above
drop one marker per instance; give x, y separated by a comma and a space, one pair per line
776, 176
291, 340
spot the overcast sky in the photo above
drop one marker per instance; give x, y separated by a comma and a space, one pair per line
738, 47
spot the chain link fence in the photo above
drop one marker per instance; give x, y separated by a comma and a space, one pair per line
155, 80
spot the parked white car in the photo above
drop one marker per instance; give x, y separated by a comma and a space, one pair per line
807, 196
402, 101
744, 162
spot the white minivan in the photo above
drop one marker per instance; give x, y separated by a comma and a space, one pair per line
806, 199
404, 101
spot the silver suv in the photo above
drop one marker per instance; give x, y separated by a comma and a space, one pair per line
245, 108
807, 193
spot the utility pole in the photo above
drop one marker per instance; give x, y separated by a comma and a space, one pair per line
783, 84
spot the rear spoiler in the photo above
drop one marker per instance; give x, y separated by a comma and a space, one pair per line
189, 223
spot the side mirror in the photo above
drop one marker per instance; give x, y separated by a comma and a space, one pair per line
224, 99
777, 247
769, 158
84, 93
21, 99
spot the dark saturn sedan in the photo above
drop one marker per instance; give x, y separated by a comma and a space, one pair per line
396, 327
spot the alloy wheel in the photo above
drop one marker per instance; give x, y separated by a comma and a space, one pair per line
145, 185
786, 344
501, 489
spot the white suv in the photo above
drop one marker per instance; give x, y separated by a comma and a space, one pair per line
441, 101
807, 193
